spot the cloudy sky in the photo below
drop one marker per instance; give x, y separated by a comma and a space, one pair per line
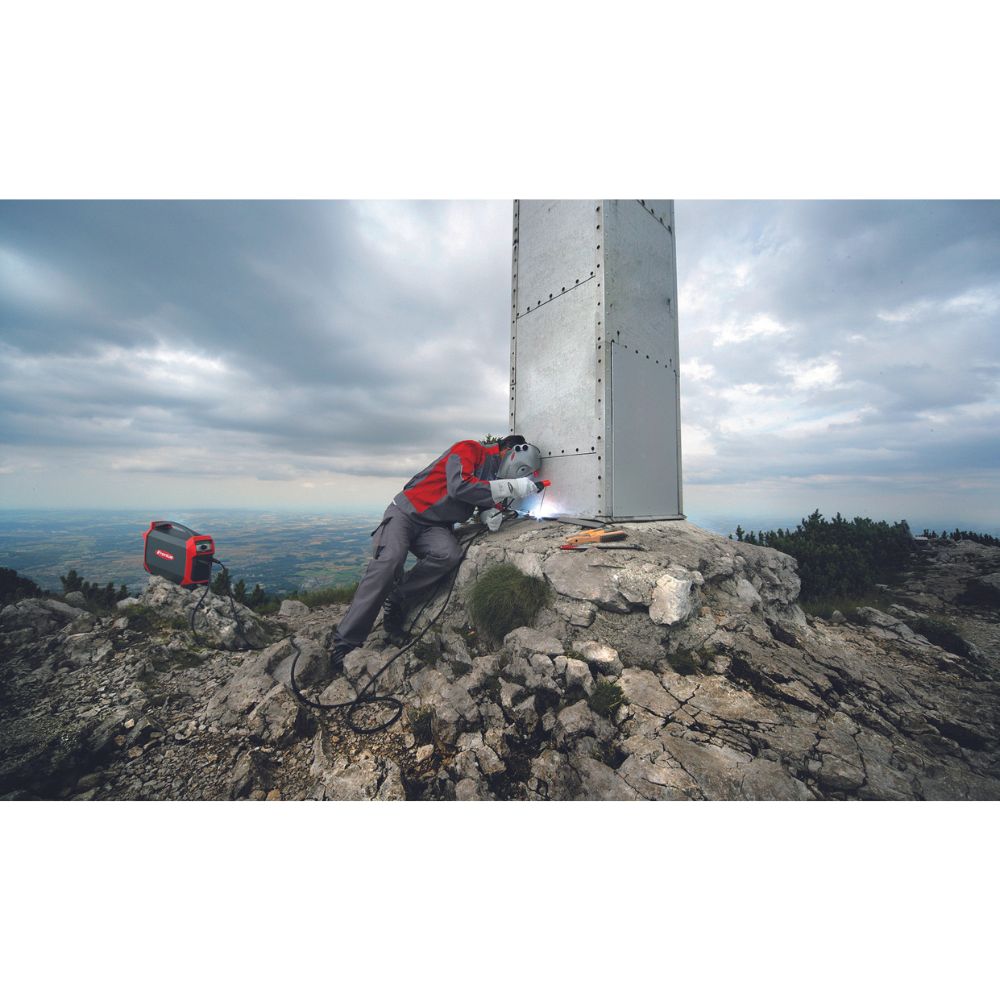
839, 355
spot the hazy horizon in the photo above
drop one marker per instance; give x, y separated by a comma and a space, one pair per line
722, 524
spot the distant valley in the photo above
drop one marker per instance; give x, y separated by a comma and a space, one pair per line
281, 550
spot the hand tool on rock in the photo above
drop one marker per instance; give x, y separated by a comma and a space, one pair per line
595, 536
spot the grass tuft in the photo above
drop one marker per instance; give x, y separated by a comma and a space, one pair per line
824, 607
607, 696
943, 634
503, 599
311, 598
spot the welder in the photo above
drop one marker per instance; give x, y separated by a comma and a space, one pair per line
420, 520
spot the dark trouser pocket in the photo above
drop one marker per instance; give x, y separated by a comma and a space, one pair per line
377, 548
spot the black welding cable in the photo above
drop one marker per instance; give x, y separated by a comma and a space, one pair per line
363, 698
197, 638
232, 604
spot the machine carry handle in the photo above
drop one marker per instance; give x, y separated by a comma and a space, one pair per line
169, 525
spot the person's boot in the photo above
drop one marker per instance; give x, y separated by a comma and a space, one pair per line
394, 616
340, 650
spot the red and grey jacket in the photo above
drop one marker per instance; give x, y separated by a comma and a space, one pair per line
452, 486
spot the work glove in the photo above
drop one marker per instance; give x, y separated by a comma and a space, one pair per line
513, 489
493, 518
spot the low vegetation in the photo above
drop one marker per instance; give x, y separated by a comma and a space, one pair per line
824, 607
99, 596
963, 536
503, 599
606, 697
256, 599
840, 558
942, 633
311, 598
14, 587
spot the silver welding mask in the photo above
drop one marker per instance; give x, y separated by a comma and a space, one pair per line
520, 460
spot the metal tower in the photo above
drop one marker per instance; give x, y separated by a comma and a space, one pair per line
594, 371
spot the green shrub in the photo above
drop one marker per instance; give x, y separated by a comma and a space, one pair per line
840, 558
14, 587
503, 599
99, 596
606, 697
142, 618
942, 633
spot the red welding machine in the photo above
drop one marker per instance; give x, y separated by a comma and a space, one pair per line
177, 553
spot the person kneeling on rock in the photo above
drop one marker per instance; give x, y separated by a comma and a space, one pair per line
419, 520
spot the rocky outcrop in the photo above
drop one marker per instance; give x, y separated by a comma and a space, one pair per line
683, 669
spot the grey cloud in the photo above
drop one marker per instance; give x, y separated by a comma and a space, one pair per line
896, 303
326, 344
282, 340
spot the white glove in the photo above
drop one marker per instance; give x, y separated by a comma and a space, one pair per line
493, 518
512, 489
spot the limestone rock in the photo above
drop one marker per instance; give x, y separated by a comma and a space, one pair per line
602, 657
577, 674
581, 576
529, 640
674, 600
730, 692
598, 782
723, 773
658, 779
643, 688
276, 718
312, 664
36, 616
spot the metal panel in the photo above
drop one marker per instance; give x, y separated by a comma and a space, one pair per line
555, 394
641, 280
576, 483
556, 248
582, 272
644, 467
662, 211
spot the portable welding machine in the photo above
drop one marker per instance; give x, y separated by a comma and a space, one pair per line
178, 554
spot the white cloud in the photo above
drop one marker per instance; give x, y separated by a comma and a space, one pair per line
697, 442
982, 301
815, 374
760, 326
695, 370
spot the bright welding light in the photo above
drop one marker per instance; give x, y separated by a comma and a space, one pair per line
541, 509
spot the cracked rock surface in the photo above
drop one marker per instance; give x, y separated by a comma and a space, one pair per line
684, 670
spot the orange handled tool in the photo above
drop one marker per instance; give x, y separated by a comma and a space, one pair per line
594, 536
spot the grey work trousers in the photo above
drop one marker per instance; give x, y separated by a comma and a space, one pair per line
437, 551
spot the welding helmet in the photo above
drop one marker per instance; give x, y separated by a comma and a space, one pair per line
521, 459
